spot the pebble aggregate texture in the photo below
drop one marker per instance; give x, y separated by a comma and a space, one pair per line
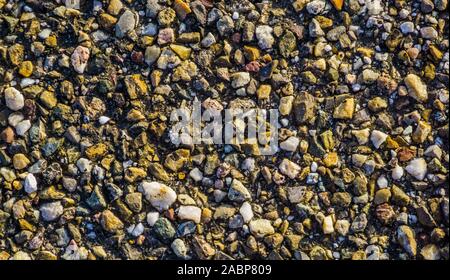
87, 170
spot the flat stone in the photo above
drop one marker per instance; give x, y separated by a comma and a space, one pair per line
246, 212
327, 225
304, 107
152, 54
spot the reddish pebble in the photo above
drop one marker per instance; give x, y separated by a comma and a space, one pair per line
170, 214
252, 66
7, 135
297, 30
413, 53
137, 57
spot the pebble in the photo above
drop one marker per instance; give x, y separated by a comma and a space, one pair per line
240, 79
84, 165
110, 222
22, 127
136, 230
20, 161
378, 138
417, 168
30, 183
315, 30
430, 252
261, 228
51, 211
7, 135
406, 238
428, 32
397, 172
179, 248
152, 54
315, 7
196, 175
208, 40
327, 225
103, 120
407, 27
289, 168
264, 36
80, 58
159, 195
127, 22
290, 144
14, 99
238, 192
225, 25
152, 217
189, 212
416, 88
246, 212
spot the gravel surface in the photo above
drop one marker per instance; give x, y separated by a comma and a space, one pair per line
88, 169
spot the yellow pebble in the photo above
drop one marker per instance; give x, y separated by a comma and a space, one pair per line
26, 68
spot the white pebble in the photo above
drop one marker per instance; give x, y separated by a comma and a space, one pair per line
327, 225
189, 212
136, 230
290, 144
417, 168
246, 212
30, 183
152, 217
25, 82
22, 127
377, 137
264, 36
382, 182
80, 58
159, 195
15, 118
44, 33
407, 27
51, 211
397, 172
196, 174
314, 166
14, 99
103, 120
